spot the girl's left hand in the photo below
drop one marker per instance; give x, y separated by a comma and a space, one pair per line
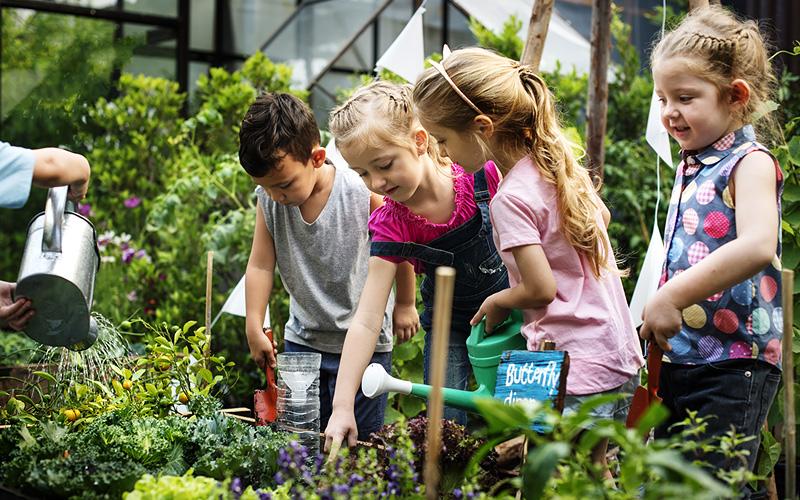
662, 320
405, 321
495, 314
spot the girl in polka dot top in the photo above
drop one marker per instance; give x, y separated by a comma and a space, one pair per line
717, 314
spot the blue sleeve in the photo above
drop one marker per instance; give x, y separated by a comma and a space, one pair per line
16, 175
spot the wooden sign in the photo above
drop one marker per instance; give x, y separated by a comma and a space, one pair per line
532, 375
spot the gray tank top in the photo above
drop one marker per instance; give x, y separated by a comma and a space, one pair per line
323, 265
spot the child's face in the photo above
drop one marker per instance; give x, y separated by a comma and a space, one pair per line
458, 148
391, 170
291, 182
692, 110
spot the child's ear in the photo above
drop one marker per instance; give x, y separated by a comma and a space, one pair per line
318, 156
739, 94
485, 125
421, 141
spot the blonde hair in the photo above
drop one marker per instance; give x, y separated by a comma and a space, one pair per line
378, 114
719, 47
521, 108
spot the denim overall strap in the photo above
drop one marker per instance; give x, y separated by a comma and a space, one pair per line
409, 250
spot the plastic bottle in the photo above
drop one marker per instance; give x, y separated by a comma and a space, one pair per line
298, 397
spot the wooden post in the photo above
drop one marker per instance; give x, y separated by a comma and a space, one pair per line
537, 33
597, 105
789, 430
209, 275
442, 311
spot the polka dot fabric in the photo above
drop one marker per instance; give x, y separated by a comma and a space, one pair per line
745, 321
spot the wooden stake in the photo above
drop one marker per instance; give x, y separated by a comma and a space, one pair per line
209, 274
789, 430
537, 33
442, 311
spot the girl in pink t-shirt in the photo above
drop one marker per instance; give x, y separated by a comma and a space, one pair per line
549, 222
434, 214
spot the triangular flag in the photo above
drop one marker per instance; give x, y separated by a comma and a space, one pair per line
406, 55
656, 135
332, 153
647, 284
235, 304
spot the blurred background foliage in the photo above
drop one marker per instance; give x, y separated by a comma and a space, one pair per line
167, 187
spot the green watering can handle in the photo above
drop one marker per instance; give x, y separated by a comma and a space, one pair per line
515, 318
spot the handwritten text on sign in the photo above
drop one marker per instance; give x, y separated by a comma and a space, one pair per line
528, 375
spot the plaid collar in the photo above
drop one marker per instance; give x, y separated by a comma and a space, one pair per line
717, 151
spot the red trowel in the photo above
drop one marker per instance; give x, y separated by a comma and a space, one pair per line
643, 397
266, 401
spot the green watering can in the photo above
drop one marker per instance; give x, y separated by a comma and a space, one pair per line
484, 354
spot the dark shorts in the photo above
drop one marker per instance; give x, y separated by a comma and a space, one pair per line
736, 392
369, 413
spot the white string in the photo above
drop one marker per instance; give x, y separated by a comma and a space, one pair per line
658, 158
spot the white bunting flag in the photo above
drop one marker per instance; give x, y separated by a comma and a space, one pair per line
656, 135
406, 55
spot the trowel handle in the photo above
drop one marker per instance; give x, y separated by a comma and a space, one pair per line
271, 385
53, 217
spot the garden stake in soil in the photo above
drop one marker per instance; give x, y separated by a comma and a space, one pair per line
442, 310
789, 430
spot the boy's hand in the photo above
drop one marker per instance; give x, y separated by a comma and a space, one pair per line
263, 351
662, 321
494, 313
405, 321
341, 426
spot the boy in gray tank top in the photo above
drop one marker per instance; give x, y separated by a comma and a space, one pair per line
312, 223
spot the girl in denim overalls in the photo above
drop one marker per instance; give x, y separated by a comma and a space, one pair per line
717, 314
435, 214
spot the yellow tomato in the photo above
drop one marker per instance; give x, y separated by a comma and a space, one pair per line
127, 384
183, 398
70, 415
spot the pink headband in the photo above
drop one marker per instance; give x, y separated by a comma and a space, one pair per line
441, 70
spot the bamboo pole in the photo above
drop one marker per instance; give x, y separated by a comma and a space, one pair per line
442, 311
789, 430
537, 33
597, 105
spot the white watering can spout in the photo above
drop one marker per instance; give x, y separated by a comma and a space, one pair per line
376, 381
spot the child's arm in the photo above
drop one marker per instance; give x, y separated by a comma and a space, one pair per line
359, 346
59, 167
757, 226
537, 287
405, 318
259, 276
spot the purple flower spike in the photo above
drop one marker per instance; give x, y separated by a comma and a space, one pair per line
127, 255
85, 209
133, 202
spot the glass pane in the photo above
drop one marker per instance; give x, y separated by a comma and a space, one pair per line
167, 8
253, 21
320, 30
201, 24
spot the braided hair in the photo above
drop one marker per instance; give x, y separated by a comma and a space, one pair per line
719, 47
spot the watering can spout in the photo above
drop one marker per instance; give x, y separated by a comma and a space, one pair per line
376, 381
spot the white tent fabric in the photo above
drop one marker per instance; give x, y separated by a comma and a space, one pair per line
563, 43
406, 55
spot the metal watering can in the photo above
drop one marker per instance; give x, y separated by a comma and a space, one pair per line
57, 275
484, 355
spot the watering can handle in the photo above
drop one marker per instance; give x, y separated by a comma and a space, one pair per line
514, 317
53, 217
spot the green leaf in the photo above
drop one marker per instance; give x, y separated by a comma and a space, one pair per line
791, 192
46, 376
151, 389
794, 150
540, 465
500, 416
206, 374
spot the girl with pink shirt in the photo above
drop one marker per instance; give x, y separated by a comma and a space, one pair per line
549, 221
434, 214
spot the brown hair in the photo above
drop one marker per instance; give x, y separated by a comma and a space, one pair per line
719, 47
276, 125
521, 108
